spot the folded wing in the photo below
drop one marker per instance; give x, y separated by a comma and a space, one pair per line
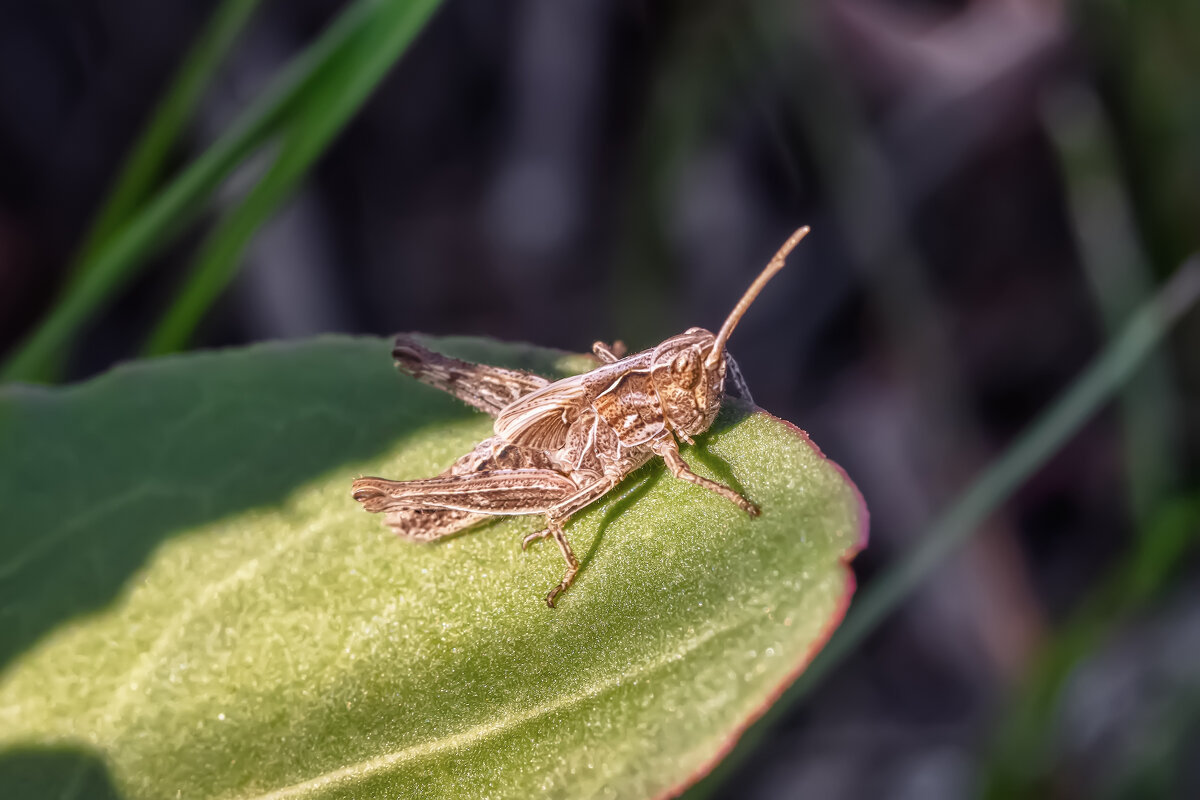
540, 420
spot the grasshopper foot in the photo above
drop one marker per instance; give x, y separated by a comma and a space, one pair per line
533, 537
568, 577
563, 585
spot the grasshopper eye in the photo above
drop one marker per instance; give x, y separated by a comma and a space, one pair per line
684, 368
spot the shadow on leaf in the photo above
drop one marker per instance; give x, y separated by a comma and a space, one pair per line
32, 772
94, 477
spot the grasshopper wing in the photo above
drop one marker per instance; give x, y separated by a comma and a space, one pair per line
490, 389
540, 420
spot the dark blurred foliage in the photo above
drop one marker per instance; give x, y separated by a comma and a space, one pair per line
993, 185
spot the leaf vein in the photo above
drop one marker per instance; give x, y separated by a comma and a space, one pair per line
378, 764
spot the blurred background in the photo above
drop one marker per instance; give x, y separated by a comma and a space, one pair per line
994, 186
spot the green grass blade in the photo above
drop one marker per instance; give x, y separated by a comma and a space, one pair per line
123, 254
331, 103
1099, 383
1120, 276
144, 166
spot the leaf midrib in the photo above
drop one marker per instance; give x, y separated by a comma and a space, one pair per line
508, 720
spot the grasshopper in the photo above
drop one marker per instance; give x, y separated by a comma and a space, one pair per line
560, 446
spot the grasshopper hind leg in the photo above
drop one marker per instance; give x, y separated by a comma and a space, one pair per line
431, 524
419, 521
485, 387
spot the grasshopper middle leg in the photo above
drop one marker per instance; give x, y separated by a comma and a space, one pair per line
557, 516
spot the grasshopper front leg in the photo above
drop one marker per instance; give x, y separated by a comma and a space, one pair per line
666, 447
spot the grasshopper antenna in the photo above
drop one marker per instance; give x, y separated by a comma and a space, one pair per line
773, 266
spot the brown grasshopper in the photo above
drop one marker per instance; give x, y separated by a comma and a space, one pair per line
560, 446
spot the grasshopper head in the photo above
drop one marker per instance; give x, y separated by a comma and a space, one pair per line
689, 389
688, 370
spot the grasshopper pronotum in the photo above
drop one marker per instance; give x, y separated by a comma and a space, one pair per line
560, 446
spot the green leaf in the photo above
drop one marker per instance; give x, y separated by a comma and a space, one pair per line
192, 605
